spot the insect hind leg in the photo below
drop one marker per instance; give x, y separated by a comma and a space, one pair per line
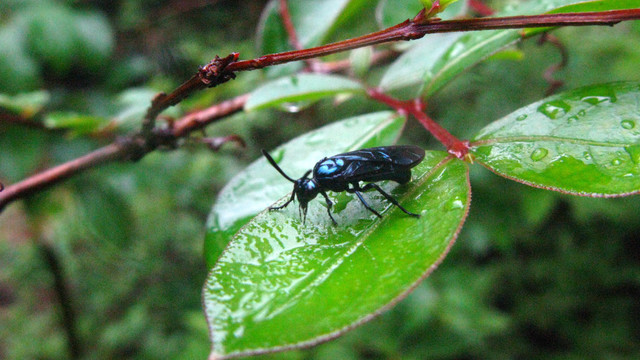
359, 195
370, 186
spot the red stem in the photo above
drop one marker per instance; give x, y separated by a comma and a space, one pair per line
416, 108
410, 30
288, 25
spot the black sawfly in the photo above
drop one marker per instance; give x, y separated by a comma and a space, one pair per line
344, 172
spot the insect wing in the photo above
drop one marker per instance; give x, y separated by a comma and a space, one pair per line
373, 164
403, 155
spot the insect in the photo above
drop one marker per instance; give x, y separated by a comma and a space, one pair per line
344, 172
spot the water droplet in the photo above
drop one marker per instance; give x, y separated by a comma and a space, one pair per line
457, 204
554, 109
616, 162
628, 124
291, 107
595, 100
539, 154
587, 155
521, 117
634, 152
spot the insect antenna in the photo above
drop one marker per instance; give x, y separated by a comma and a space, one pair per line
273, 163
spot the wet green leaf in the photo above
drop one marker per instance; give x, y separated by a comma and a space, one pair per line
584, 142
260, 185
298, 91
282, 284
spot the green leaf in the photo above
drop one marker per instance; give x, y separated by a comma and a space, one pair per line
260, 185
78, 124
477, 46
360, 60
104, 214
428, 6
300, 90
392, 12
312, 21
51, 36
132, 106
282, 284
25, 104
587, 6
583, 142
442, 59
95, 40
20, 72
417, 64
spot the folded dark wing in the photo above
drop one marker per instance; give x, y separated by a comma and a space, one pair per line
379, 163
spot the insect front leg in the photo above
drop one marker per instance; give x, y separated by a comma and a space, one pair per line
293, 195
329, 205
387, 196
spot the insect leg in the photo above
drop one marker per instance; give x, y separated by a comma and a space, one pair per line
329, 205
293, 195
365, 203
387, 196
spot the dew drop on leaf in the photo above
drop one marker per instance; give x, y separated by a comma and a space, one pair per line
595, 100
521, 117
456, 204
554, 109
628, 124
539, 154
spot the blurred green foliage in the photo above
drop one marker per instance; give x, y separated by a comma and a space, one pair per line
533, 274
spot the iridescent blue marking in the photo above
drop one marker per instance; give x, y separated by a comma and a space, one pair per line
330, 166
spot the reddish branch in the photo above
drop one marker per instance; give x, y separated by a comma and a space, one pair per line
416, 108
288, 25
222, 70
408, 30
415, 29
132, 147
314, 64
